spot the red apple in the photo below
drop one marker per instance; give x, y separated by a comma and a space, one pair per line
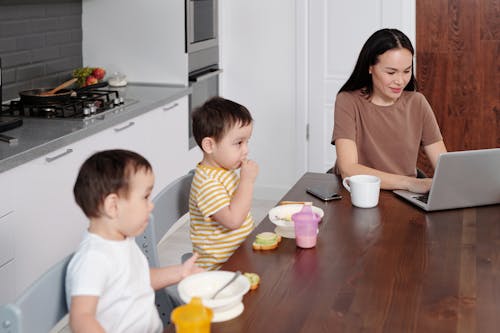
99, 73
91, 80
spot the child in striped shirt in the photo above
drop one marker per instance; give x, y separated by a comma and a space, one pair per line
220, 200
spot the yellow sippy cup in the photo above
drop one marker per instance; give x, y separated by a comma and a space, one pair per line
192, 317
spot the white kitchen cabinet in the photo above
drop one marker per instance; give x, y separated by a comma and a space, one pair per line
7, 240
145, 42
45, 223
165, 147
6, 255
6, 237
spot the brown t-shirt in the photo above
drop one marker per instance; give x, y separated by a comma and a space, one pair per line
388, 138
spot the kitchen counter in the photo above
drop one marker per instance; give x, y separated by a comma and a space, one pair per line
37, 137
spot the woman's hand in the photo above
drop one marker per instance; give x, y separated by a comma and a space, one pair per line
420, 185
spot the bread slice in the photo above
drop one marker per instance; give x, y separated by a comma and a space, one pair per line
266, 241
254, 280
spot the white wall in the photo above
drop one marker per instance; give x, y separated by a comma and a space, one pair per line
257, 44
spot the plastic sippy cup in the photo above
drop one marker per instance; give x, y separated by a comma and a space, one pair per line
306, 227
192, 317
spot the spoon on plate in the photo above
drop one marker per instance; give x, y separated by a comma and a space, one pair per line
235, 276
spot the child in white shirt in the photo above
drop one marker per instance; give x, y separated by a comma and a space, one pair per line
109, 286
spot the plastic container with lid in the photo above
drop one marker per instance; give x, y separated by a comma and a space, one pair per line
192, 317
117, 79
306, 227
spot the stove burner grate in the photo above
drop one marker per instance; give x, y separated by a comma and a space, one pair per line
84, 105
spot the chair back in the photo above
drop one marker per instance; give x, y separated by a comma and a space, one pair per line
41, 306
170, 205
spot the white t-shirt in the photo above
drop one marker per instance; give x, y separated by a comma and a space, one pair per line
118, 273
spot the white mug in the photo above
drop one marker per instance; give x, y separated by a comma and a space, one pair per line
364, 189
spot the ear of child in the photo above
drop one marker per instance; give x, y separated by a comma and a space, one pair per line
207, 144
110, 205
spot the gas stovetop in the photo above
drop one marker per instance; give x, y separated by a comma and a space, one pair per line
83, 106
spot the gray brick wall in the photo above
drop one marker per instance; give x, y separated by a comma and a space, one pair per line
40, 43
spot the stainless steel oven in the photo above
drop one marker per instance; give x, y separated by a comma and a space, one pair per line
201, 24
202, 46
205, 84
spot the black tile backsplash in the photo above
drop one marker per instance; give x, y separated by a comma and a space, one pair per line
40, 43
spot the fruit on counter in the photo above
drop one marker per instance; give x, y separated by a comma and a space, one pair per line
91, 80
254, 280
89, 75
266, 241
99, 73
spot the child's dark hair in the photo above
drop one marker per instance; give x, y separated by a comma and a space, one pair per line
104, 173
216, 117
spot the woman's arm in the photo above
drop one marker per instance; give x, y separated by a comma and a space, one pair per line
347, 162
433, 151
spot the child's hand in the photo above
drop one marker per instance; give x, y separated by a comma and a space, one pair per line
189, 267
249, 170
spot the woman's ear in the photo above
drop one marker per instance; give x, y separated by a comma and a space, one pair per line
207, 144
110, 205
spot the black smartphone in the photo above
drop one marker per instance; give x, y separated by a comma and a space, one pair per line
324, 193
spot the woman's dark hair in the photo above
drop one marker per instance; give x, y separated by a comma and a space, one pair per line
216, 117
104, 173
378, 43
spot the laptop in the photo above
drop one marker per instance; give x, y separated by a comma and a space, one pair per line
461, 179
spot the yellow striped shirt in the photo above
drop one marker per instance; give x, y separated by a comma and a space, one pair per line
211, 190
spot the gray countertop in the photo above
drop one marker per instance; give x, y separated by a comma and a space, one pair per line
37, 137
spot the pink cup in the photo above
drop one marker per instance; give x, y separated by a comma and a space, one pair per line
306, 227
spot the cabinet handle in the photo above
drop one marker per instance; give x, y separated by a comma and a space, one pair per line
170, 107
52, 159
119, 129
205, 76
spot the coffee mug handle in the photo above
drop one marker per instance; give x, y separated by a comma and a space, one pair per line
344, 182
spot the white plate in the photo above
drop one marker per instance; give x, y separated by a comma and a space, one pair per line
286, 232
278, 213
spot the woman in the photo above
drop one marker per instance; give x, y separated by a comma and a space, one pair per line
380, 119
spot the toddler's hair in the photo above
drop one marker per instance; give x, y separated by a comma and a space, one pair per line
103, 173
216, 117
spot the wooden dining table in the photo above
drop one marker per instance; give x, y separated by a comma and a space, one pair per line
392, 268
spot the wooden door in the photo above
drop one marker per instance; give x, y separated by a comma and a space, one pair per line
458, 70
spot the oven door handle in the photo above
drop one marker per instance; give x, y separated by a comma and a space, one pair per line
205, 76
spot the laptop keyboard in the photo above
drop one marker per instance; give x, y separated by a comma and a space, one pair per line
423, 197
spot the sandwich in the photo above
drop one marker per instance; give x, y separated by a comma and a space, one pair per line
266, 241
254, 280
